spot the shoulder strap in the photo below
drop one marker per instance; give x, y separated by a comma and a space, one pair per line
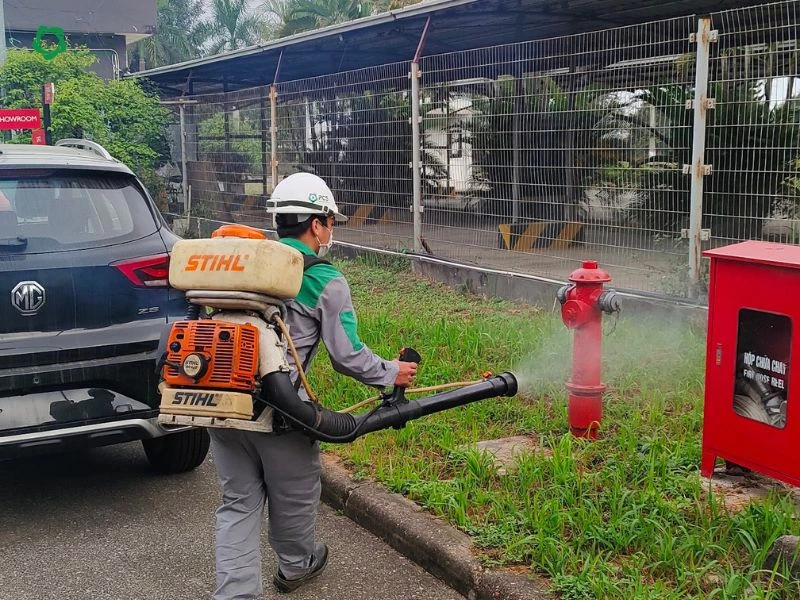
310, 260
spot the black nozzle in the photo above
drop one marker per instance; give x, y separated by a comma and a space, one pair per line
397, 416
328, 426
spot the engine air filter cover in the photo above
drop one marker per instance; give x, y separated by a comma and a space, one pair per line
212, 354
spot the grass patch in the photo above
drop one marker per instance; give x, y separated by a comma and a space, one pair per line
625, 517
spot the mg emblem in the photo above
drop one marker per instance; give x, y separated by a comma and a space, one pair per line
28, 297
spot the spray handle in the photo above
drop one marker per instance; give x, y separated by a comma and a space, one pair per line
398, 395
409, 355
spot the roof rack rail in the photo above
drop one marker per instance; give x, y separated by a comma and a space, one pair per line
85, 145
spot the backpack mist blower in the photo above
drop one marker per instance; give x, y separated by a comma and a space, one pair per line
226, 365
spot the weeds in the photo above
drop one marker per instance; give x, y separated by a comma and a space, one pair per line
625, 517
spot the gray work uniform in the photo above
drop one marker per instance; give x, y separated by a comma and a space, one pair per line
284, 469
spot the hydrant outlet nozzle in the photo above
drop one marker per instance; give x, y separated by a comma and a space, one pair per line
610, 302
562, 293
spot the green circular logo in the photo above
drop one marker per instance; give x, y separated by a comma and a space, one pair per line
47, 52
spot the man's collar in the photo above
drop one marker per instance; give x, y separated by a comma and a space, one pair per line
298, 245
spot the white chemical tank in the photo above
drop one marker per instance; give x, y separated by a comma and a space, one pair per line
237, 258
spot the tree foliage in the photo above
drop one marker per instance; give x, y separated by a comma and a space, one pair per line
120, 115
178, 36
289, 17
182, 33
232, 26
606, 142
362, 147
213, 127
24, 73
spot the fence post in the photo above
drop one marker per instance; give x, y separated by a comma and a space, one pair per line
416, 156
698, 169
519, 90
182, 104
416, 137
273, 106
226, 120
262, 104
184, 179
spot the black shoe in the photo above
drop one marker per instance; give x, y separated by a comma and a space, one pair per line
318, 564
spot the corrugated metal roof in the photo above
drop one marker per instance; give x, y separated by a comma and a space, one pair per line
392, 37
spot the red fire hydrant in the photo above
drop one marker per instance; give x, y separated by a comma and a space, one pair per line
583, 303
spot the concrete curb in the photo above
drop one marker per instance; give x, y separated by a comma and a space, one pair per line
438, 548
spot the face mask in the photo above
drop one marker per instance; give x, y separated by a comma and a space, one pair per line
325, 248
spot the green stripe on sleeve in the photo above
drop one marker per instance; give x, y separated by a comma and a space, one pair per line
350, 325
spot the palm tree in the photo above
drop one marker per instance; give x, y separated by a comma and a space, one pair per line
283, 19
232, 26
333, 12
385, 5
295, 16
177, 37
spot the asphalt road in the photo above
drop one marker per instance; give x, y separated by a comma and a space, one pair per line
99, 525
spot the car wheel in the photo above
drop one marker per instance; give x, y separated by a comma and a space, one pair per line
177, 452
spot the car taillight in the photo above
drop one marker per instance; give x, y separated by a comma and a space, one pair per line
149, 271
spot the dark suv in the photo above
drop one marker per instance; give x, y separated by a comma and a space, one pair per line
84, 299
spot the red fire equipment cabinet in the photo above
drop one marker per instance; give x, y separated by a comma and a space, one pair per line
754, 298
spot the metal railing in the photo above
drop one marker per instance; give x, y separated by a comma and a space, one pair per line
638, 146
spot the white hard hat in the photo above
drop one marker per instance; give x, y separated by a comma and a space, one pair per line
303, 194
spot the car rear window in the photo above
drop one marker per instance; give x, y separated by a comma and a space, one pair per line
68, 210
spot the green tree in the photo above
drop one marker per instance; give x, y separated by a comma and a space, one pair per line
246, 144
295, 16
120, 115
127, 121
24, 73
178, 35
752, 144
324, 13
283, 19
384, 5
231, 26
347, 129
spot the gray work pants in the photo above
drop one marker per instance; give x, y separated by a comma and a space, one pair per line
254, 468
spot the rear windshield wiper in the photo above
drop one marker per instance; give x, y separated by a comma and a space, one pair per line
15, 243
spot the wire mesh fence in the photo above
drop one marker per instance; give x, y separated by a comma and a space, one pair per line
224, 142
554, 150
233, 153
353, 129
534, 155
753, 134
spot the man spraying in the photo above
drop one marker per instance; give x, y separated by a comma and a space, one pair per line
283, 469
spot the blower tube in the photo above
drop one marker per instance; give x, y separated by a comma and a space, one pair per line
341, 428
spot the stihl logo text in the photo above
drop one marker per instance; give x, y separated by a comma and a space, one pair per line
195, 399
216, 262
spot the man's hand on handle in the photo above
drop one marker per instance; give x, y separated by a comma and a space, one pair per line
406, 373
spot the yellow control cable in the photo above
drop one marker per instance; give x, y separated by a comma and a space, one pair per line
296, 358
433, 388
368, 401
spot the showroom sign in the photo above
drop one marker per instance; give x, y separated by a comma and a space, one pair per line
20, 118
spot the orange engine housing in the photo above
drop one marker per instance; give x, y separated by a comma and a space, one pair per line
218, 355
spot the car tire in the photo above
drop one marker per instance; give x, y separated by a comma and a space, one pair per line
177, 452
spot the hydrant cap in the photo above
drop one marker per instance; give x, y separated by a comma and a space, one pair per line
590, 273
